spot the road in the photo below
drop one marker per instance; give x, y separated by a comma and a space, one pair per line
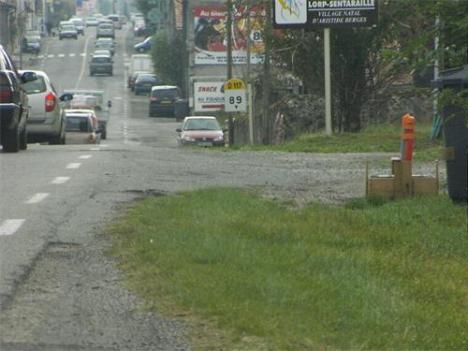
58, 289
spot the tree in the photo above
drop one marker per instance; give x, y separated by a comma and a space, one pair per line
168, 58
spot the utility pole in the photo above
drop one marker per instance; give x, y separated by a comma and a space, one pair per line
266, 74
229, 23
249, 85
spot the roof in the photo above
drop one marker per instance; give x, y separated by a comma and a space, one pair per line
199, 117
162, 87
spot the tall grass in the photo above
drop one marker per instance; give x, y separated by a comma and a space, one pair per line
385, 276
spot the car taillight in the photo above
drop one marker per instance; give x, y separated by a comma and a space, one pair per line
6, 94
154, 98
50, 101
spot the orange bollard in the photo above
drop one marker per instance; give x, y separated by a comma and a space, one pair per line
407, 137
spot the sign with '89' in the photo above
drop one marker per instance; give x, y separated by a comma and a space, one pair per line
235, 97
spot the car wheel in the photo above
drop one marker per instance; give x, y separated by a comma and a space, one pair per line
91, 74
111, 73
60, 38
11, 140
23, 139
104, 134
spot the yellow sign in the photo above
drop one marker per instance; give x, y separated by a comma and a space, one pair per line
234, 84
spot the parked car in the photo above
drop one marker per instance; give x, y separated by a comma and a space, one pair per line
79, 25
144, 46
105, 30
138, 63
14, 104
80, 129
101, 64
162, 100
144, 82
200, 131
91, 21
68, 31
90, 113
46, 120
31, 45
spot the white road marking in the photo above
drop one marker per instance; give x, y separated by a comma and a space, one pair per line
85, 157
95, 149
72, 55
35, 199
103, 145
73, 165
51, 56
61, 55
83, 63
60, 180
118, 98
83, 54
10, 226
41, 56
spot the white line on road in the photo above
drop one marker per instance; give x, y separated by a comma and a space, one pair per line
118, 98
60, 180
83, 63
10, 226
37, 198
51, 56
72, 55
61, 55
83, 54
103, 145
74, 165
85, 157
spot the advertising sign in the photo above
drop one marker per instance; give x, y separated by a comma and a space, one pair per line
325, 13
208, 96
210, 35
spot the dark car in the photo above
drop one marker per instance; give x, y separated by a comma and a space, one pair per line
68, 31
14, 108
31, 44
144, 46
144, 83
162, 100
101, 64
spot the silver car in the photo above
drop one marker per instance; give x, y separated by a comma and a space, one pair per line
46, 120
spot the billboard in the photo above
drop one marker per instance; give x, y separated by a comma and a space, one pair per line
210, 35
325, 13
208, 96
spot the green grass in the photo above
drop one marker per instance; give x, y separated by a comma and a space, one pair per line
379, 138
369, 275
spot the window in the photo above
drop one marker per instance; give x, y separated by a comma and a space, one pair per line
36, 86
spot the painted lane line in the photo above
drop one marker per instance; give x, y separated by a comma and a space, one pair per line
61, 55
10, 226
39, 197
118, 98
73, 165
85, 157
103, 145
83, 54
94, 149
51, 56
60, 180
83, 63
72, 55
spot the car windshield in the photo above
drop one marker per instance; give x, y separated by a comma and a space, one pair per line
36, 86
68, 27
146, 77
202, 124
165, 93
33, 40
77, 21
105, 26
77, 124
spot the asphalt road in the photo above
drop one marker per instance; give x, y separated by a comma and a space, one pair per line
58, 290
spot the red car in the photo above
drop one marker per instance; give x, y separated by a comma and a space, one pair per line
200, 131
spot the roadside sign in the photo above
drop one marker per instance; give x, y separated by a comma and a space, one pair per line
235, 97
208, 96
325, 13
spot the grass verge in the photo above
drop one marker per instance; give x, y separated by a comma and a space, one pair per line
370, 275
378, 138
